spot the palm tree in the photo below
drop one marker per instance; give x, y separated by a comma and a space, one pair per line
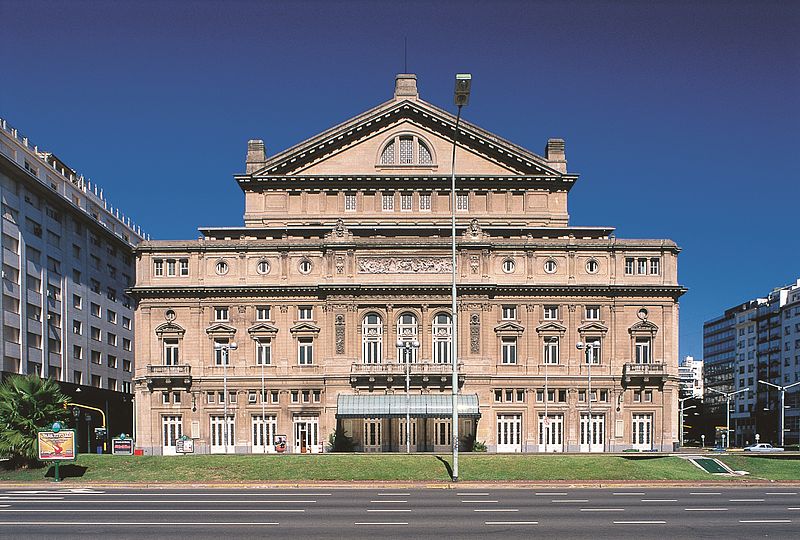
27, 404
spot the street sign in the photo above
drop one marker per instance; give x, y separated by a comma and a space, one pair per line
57, 445
184, 445
122, 447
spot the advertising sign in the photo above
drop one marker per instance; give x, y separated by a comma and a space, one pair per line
122, 447
184, 445
280, 443
57, 446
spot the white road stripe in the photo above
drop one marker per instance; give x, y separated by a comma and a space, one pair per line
8, 498
394, 494
511, 522
388, 510
794, 508
765, 521
388, 501
477, 494
251, 494
569, 501
199, 501
470, 501
602, 509
705, 493
556, 493
496, 510
705, 509
639, 522
780, 493
142, 523
659, 500
746, 500
152, 510
621, 493
380, 523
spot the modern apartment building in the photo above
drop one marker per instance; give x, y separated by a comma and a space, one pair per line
345, 251
690, 373
66, 264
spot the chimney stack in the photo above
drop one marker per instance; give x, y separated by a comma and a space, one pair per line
405, 86
555, 154
256, 155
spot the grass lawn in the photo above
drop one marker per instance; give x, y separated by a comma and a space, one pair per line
346, 467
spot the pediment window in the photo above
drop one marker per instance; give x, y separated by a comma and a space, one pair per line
406, 150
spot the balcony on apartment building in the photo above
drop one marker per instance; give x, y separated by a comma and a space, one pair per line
393, 374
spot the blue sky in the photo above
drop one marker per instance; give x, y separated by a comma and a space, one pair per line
682, 117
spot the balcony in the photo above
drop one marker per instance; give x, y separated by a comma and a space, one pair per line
159, 376
653, 373
393, 374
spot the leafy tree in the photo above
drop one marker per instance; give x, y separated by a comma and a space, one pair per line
338, 441
27, 404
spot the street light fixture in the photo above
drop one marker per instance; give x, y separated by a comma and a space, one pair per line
406, 346
225, 349
683, 412
461, 98
587, 347
728, 397
782, 390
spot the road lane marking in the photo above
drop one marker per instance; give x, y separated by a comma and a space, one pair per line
765, 521
747, 500
659, 500
142, 523
556, 493
569, 501
705, 493
780, 493
478, 501
11, 498
380, 523
639, 522
388, 501
199, 501
705, 509
253, 494
602, 509
495, 510
622, 493
474, 494
156, 510
394, 494
388, 510
511, 522
794, 508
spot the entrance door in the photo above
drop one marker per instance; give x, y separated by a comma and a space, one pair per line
412, 432
306, 437
372, 434
509, 433
593, 436
264, 429
551, 433
171, 431
218, 435
642, 432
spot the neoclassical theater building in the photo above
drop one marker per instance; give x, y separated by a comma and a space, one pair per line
289, 324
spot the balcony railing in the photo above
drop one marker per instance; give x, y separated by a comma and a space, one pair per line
393, 373
653, 370
169, 371
169, 376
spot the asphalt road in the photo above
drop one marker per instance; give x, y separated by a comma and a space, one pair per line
708, 512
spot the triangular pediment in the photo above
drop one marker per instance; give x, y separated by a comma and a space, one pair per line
304, 327
551, 328
220, 329
261, 329
643, 327
169, 328
509, 328
593, 328
354, 147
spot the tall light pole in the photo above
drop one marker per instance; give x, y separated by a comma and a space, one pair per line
225, 350
588, 347
683, 411
728, 397
783, 410
263, 405
405, 347
461, 98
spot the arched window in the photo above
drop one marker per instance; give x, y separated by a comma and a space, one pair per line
372, 338
407, 330
407, 149
442, 339
387, 156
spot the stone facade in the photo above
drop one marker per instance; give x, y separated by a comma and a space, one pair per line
345, 250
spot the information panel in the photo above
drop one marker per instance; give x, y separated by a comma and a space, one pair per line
57, 445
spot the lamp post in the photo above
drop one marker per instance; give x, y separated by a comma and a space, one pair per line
728, 397
263, 407
406, 347
683, 412
587, 347
782, 390
461, 98
225, 350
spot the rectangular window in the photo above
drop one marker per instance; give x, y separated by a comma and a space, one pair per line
462, 202
592, 313
111, 339
655, 266
263, 351
629, 265
387, 203
111, 316
305, 313
96, 357
442, 432
520, 396
126, 366
405, 202
305, 351
221, 352
643, 350
551, 350
158, 267
126, 344
95, 333
111, 294
648, 396
111, 361
171, 269
425, 202
637, 396
77, 377
641, 266
126, 387
550, 313
77, 327
592, 352
184, 267
221, 314
262, 313
126, 323
252, 397
295, 396
350, 202
509, 313
77, 352
509, 350
94, 285
406, 150
273, 396
171, 352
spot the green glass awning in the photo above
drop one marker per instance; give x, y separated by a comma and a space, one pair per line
394, 405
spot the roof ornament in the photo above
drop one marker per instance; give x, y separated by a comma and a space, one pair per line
474, 231
339, 232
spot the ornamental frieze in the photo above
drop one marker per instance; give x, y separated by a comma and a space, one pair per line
405, 265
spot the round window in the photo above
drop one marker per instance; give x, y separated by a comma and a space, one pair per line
550, 266
305, 266
508, 266
222, 267
263, 267
592, 266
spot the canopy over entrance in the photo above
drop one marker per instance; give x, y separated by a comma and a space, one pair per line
394, 406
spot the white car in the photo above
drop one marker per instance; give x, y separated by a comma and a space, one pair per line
762, 447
